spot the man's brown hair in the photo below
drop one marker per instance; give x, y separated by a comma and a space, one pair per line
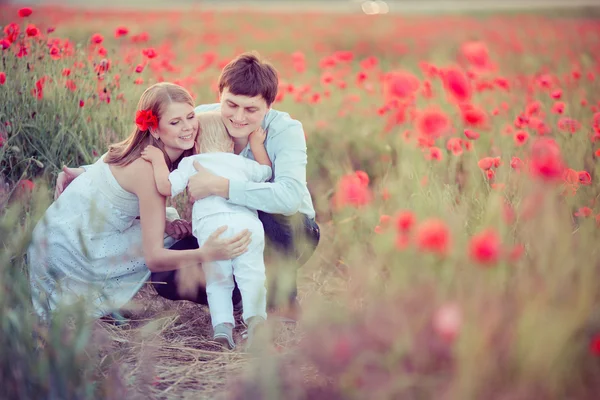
248, 75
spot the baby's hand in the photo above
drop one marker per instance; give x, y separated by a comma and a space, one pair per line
152, 154
257, 138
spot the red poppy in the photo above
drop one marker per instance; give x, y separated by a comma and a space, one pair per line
405, 220
54, 52
433, 236
486, 163
25, 12
520, 137
145, 119
38, 91
584, 178
546, 160
516, 163
70, 84
584, 212
471, 135
25, 187
476, 54
149, 52
32, 31
343, 55
454, 145
2, 78
558, 107
556, 94
400, 84
121, 31
432, 123
484, 248
596, 121
11, 31
457, 85
353, 190
434, 153
473, 116
568, 124
96, 38
369, 62
594, 346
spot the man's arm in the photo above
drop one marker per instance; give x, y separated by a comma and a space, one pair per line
283, 195
257, 172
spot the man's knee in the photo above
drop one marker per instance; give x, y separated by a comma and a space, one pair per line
296, 236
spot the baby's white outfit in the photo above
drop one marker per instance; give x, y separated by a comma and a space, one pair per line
212, 212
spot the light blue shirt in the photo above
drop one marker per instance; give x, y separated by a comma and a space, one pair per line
286, 193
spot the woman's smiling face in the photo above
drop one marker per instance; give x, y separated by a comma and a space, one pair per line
177, 128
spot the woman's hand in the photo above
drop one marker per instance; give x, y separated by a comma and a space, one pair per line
215, 249
64, 178
178, 229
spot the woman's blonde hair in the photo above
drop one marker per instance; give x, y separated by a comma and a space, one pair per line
156, 98
213, 136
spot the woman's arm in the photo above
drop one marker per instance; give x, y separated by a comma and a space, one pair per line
152, 219
65, 177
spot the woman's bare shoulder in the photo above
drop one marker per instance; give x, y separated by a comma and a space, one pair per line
136, 177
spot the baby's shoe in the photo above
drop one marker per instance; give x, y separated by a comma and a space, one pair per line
223, 334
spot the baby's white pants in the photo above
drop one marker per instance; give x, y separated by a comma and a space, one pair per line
248, 268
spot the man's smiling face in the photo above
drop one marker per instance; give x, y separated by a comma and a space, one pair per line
242, 114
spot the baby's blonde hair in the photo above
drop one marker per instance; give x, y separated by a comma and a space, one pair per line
213, 136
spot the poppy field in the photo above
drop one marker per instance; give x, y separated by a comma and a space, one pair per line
454, 165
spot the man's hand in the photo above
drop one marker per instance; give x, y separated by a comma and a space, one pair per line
152, 154
257, 138
64, 178
178, 229
204, 183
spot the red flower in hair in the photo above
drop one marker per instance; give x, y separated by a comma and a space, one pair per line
145, 119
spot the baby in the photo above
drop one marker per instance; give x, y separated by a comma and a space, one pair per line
215, 148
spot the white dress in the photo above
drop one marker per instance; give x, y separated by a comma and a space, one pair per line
88, 245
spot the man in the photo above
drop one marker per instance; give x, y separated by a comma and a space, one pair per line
248, 87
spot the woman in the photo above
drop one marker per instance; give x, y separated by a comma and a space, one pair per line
107, 232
